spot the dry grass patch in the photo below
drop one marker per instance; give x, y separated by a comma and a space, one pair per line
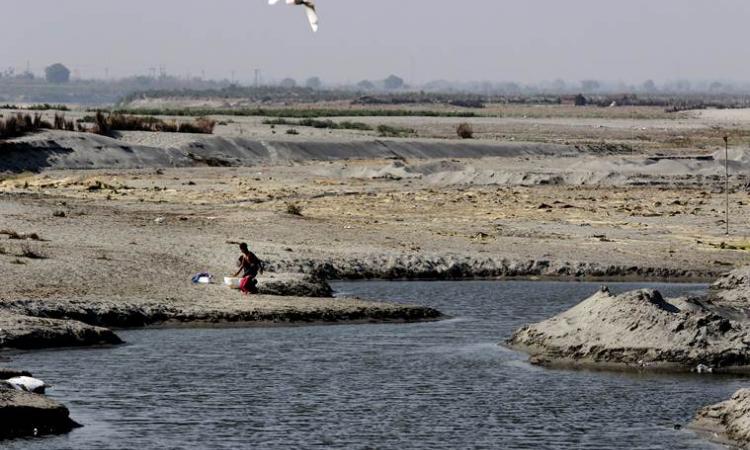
105, 124
294, 209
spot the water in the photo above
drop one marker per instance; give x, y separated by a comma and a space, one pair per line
444, 385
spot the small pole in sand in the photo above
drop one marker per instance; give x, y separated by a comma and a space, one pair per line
726, 178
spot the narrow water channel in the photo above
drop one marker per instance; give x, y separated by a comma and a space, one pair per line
442, 385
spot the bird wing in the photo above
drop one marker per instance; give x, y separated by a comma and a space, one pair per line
312, 16
273, 2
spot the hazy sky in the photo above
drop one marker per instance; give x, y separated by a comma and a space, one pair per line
499, 40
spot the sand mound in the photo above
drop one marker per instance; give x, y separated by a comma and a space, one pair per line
732, 293
644, 171
638, 330
736, 280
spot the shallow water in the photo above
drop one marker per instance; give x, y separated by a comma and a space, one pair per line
432, 385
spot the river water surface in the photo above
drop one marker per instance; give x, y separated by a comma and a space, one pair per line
445, 385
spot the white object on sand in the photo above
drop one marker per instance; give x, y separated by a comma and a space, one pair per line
233, 283
309, 5
28, 384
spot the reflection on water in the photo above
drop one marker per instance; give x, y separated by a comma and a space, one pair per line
434, 385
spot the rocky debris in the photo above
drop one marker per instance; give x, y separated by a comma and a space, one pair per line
729, 420
28, 414
638, 330
24, 332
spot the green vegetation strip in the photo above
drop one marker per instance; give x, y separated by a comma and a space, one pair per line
294, 112
39, 107
323, 124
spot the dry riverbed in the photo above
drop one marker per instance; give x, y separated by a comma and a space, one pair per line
105, 232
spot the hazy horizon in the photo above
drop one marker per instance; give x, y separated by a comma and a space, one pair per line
528, 41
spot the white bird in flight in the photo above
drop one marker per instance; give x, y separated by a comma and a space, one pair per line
309, 5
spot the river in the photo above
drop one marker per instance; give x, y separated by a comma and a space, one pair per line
441, 385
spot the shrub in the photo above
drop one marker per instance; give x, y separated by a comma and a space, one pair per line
202, 125
39, 123
105, 124
316, 123
391, 131
294, 209
21, 124
59, 122
465, 131
47, 107
292, 132
346, 125
101, 124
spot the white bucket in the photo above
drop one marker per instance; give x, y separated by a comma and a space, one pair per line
233, 283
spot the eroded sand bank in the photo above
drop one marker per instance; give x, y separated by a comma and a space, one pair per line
641, 330
728, 421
